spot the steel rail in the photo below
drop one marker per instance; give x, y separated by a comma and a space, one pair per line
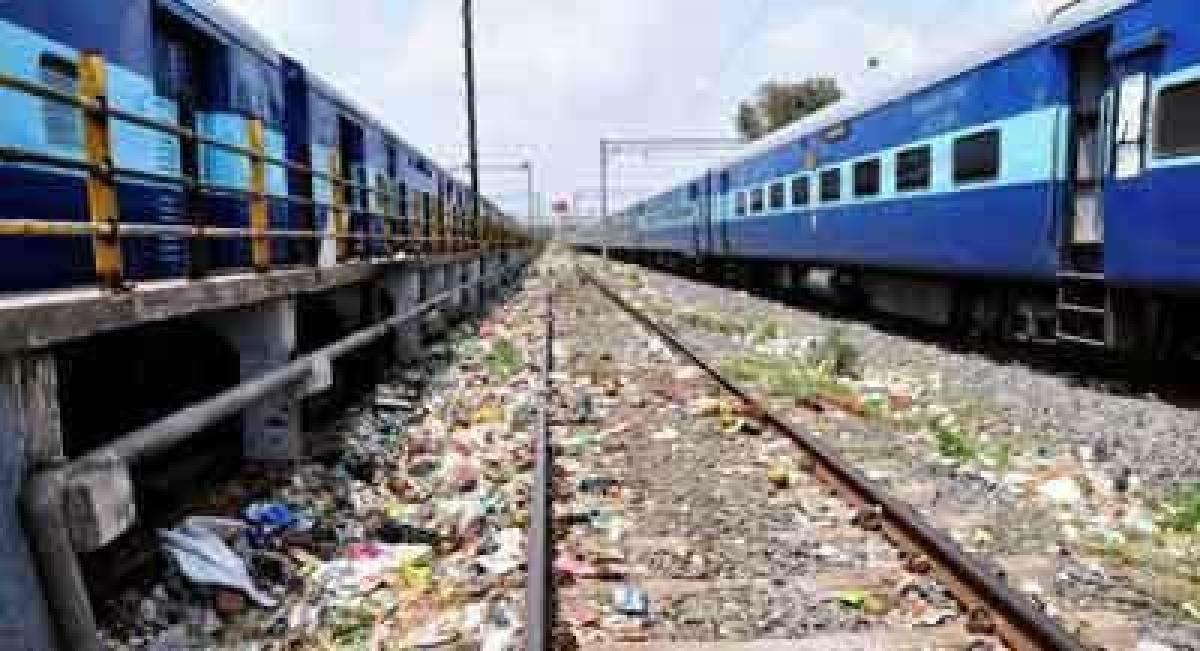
43, 494
170, 128
21, 155
66, 228
99, 106
191, 136
539, 586
102, 171
992, 606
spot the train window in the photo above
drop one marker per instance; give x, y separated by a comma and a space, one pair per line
831, 185
393, 168
778, 197
362, 197
977, 157
913, 169
62, 121
723, 183
866, 178
1177, 125
756, 200
739, 204
694, 192
1130, 151
800, 191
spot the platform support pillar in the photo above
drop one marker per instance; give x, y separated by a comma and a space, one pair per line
462, 297
474, 270
265, 338
486, 269
404, 288
30, 436
434, 282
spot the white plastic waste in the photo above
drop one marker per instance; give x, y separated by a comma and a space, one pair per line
204, 558
1063, 490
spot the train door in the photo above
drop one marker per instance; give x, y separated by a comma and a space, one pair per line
706, 215
1111, 91
1082, 296
695, 214
1127, 191
722, 209
352, 153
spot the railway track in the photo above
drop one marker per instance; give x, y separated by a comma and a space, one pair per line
756, 536
566, 473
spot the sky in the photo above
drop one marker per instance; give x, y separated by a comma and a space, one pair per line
556, 76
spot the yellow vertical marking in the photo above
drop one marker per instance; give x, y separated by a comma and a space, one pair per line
385, 207
260, 246
422, 221
338, 213
439, 221
102, 195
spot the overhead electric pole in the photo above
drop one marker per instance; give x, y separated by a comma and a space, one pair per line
618, 146
524, 167
528, 167
472, 135
604, 197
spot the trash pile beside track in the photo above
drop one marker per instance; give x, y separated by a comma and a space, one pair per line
1070, 528
412, 536
678, 519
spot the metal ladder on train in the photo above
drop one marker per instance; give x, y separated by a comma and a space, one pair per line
1084, 309
1083, 306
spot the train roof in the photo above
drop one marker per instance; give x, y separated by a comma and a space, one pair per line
327, 90
211, 17
1066, 21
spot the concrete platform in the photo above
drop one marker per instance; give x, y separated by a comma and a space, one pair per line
42, 319
55, 364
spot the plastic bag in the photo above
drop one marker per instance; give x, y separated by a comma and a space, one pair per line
205, 559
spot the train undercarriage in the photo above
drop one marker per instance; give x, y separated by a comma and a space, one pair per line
1136, 324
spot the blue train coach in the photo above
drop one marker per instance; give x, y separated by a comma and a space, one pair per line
183, 67
1046, 188
172, 61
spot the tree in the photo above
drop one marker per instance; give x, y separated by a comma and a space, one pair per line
750, 121
778, 104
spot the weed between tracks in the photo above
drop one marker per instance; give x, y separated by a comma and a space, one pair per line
711, 323
504, 360
1131, 546
783, 377
1182, 510
828, 371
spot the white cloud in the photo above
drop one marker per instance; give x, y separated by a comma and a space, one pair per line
838, 40
555, 76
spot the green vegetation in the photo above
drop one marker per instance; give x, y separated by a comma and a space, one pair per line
837, 355
504, 360
1001, 454
820, 374
711, 322
778, 104
783, 377
876, 407
1181, 512
954, 443
765, 331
